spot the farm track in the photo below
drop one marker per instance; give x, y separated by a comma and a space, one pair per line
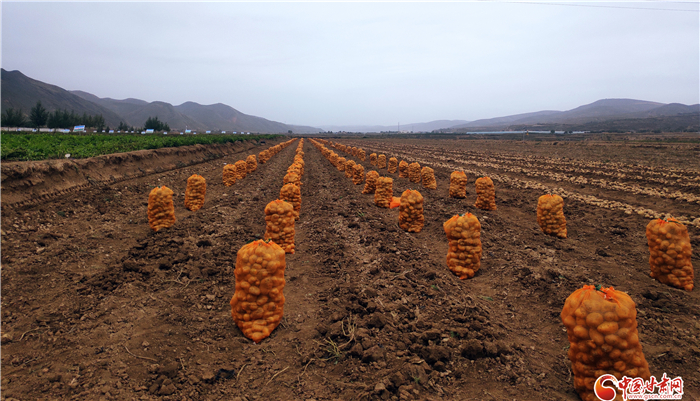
95, 305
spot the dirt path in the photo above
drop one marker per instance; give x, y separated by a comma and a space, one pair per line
95, 305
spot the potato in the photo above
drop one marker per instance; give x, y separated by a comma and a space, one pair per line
550, 215
384, 192
458, 184
670, 253
257, 305
195, 192
597, 322
427, 175
229, 175
464, 238
279, 216
411, 211
414, 172
403, 169
161, 209
371, 182
485, 194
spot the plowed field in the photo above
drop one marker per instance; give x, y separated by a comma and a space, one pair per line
97, 306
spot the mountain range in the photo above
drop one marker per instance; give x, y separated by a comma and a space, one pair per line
22, 92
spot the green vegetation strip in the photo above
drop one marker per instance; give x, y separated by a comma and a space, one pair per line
24, 146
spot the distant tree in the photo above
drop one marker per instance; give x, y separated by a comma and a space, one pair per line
38, 115
13, 118
551, 132
156, 125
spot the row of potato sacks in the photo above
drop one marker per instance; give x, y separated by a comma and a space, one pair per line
257, 305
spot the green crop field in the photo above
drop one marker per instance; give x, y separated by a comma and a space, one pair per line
32, 146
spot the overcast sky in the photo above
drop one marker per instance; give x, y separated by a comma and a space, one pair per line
362, 63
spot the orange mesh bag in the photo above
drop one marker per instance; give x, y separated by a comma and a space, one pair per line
427, 175
295, 168
292, 178
362, 155
373, 159
251, 164
381, 161
279, 216
371, 182
161, 210
264, 156
464, 238
670, 251
258, 303
550, 215
195, 192
350, 169
359, 175
414, 172
393, 165
403, 169
458, 184
384, 192
341, 164
602, 330
300, 161
334, 159
485, 194
229, 175
411, 211
241, 169
291, 193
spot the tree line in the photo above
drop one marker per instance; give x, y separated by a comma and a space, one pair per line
39, 117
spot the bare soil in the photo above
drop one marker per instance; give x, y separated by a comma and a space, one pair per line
97, 306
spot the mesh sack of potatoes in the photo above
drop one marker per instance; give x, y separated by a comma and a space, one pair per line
603, 339
161, 209
411, 211
414, 172
427, 175
295, 168
373, 159
669, 253
251, 163
464, 241
393, 165
458, 184
292, 194
403, 169
371, 182
264, 156
334, 159
350, 169
241, 169
358, 176
341, 164
384, 192
257, 305
291, 178
280, 216
229, 175
195, 192
550, 215
485, 194
381, 161
361, 154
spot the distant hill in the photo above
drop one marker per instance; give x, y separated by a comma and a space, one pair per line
415, 127
22, 92
592, 115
